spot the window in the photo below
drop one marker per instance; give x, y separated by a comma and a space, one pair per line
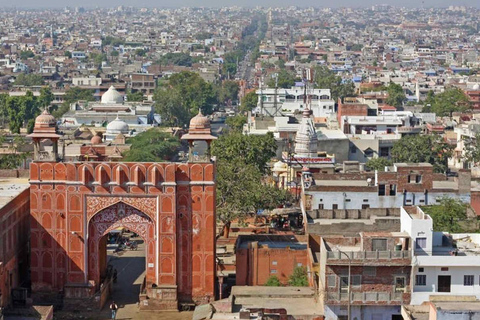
393, 189
273, 270
331, 281
444, 269
379, 244
421, 269
418, 178
365, 206
299, 264
400, 284
421, 280
421, 243
274, 263
347, 200
468, 280
370, 271
320, 206
356, 280
334, 206
381, 189
365, 200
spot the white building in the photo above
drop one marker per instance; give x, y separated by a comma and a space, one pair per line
289, 101
442, 264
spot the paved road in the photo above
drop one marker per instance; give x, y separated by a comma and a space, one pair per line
130, 266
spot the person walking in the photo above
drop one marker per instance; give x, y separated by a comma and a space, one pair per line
113, 307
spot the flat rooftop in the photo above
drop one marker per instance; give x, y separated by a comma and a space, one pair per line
11, 188
272, 241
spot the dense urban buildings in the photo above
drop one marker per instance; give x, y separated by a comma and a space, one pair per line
266, 162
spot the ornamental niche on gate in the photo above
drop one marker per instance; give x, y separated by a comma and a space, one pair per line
75, 204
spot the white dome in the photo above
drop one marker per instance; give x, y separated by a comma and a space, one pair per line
112, 96
476, 87
117, 126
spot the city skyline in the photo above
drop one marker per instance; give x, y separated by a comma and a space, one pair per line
231, 3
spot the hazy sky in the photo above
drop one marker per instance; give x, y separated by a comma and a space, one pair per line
218, 3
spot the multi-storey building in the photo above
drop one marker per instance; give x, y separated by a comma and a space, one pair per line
364, 277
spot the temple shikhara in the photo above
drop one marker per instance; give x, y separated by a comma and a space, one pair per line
74, 205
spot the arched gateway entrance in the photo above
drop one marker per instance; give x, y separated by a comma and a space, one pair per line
74, 204
109, 219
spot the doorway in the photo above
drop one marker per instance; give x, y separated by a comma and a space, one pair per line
444, 283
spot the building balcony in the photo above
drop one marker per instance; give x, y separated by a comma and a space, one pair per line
409, 129
400, 257
367, 298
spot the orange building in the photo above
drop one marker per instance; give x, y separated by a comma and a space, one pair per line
258, 257
75, 205
14, 225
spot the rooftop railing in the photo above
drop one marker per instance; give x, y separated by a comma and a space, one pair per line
369, 255
367, 296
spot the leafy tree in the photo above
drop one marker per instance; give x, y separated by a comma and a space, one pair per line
249, 101
203, 35
273, 281
379, 164
228, 91
257, 150
472, 149
24, 55
423, 148
179, 100
285, 80
67, 54
114, 53
73, 94
152, 146
446, 103
236, 122
327, 79
241, 165
141, 52
447, 214
135, 96
46, 97
298, 278
176, 58
396, 96
29, 80
109, 40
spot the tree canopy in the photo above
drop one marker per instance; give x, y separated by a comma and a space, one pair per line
29, 80
285, 80
177, 59
423, 148
472, 149
236, 122
298, 278
327, 79
446, 103
73, 94
378, 164
135, 96
181, 98
228, 91
249, 101
447, 215
396, 95
152, 146
241, 165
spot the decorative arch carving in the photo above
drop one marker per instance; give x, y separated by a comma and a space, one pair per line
147, 205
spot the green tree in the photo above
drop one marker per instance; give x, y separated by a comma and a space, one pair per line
249, 101
298, 278
257, 150
228, 91
67, 54
273, 281
472, 149
378, 164
152, 146
141, 52
423, 148
114, 53
179, 100
135, 96
446, 103
29, 80
240, 168
176, 58
24, 55
447, 215
396, 95
285, 80
327, 79
46, 97
236, 122
73, 94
